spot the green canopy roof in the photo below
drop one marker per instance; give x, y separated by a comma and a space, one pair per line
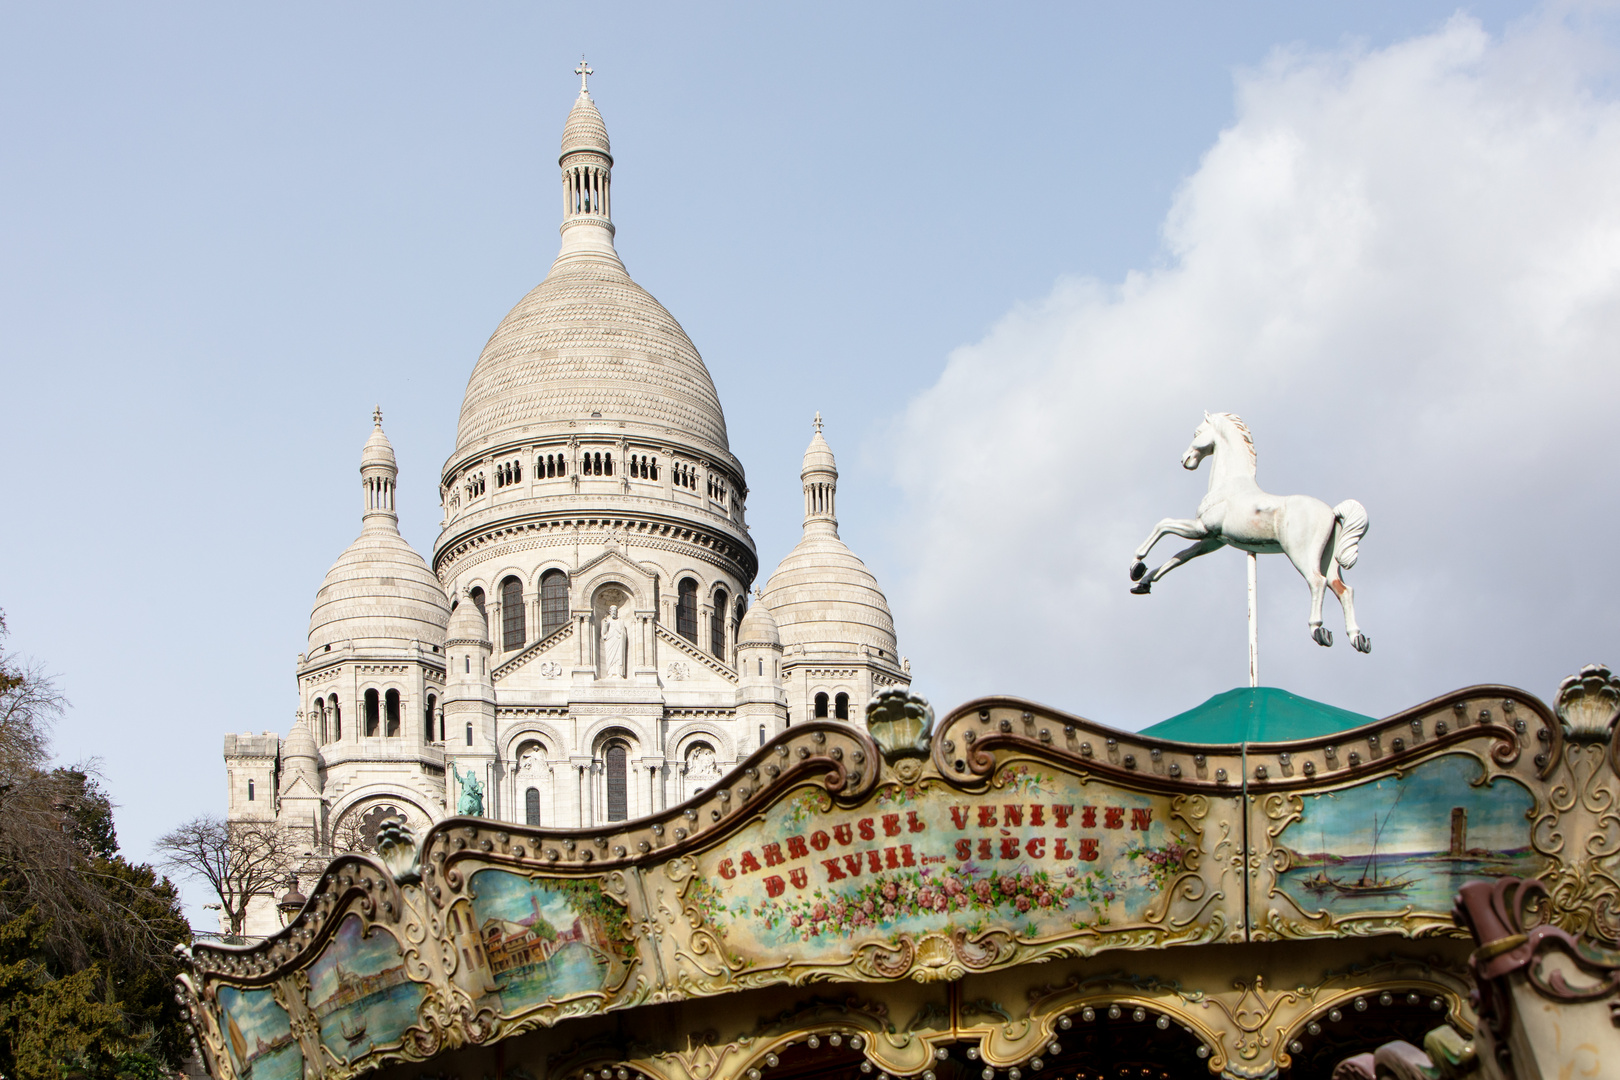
1255, 714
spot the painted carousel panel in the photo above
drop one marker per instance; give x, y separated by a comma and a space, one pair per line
1041, 857
258, 1035
1401, 845
359, 993
537, 941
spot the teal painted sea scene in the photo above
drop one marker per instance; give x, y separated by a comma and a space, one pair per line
547, 940
1408, 842
359, 993
259, 1036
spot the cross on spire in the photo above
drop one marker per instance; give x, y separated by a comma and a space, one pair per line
818, 422
583, 71
376, 416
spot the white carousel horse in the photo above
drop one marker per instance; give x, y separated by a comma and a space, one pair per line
1321, 543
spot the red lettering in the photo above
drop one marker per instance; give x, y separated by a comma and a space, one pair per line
799, 878
1009, 847
1060, 848
1088, 848
833, 873
987, 817
1062, 814
1114, 817
854, 865
1012, 815
748, 863
775, 886
819, 840
891, 824
1036, 848
959, 816
915, 824
964, 849
1036, 817
725, 869
874, 861
1088, 817
984, 848
1141, 819
773, 854
867, 832
891, 859
905, 855
796, 848
844, 834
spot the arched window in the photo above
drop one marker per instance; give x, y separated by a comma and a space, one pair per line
469, 734
553, 601
511, 614
841, 707
618, 787
821, 706
483, 612
337, 719
373, 711
317, 720
717, 625
531, 806
250, 791
391, 714
429, 727
686, 610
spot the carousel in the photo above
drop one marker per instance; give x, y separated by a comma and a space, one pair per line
1009, 893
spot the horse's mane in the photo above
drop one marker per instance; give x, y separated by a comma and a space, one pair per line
1243, 429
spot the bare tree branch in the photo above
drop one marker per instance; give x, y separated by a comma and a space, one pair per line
239, 860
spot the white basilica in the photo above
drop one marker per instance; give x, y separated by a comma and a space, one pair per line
582, 648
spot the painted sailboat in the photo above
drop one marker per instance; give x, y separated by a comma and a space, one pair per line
1370, 883
1319, 882
352, 1035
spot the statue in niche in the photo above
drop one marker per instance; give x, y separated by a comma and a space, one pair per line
702, 769
615, 638
471, 801
531, 758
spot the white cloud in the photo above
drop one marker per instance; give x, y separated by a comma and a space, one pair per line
1402, 268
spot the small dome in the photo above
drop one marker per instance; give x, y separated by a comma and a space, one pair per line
380, 593
300, 743
758, 627
826, 602
467, 624
818, 456
378, 450
585, 129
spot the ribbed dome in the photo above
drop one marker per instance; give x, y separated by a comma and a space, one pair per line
300, 743
826, 601
818, 456
378, 450
585, 129
379, 593
758, 627
589, 340
468, 624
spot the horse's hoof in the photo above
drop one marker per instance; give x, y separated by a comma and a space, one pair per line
1323, 636
1362, 642
1143, 589
1138, 568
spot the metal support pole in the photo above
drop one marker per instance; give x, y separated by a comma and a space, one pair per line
1254, 626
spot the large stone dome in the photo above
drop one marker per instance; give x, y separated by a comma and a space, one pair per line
379, 592
827, 602
586, 341
588, 349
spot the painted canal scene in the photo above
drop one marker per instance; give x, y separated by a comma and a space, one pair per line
359, 993
1408, 841
540, 940
259, 1035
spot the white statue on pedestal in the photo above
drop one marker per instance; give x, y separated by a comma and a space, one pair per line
615, 636
1319, 541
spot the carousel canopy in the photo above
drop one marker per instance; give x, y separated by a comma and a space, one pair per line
1256, 714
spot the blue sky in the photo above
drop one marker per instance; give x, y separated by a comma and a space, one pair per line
1009, 254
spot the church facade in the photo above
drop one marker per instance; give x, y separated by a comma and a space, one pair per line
581, 648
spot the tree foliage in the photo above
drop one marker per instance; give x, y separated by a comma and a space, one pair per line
88, 940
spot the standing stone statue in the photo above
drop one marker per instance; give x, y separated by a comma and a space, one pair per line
471, 801
615, 637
